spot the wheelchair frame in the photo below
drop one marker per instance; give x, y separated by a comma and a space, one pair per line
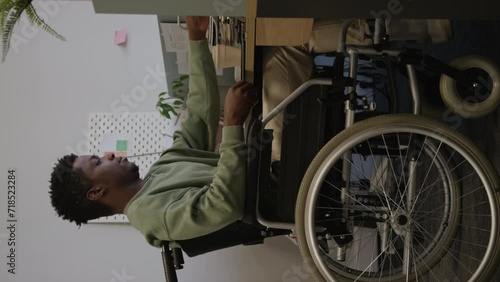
255, 227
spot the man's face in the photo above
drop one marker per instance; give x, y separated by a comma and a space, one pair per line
113, 172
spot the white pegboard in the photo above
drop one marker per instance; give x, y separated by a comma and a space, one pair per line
148, 134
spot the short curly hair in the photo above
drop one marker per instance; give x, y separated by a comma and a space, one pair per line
68, 193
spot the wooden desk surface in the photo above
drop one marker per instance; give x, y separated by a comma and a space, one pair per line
251, 15
282, 31
271, 32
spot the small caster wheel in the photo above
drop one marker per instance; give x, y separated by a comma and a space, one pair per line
478, 92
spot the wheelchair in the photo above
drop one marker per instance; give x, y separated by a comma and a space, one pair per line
373, 195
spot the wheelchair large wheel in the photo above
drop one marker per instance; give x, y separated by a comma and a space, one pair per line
478, 99
399, 198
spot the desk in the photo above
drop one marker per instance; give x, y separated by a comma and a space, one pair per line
271, 32
402, 9
410, 9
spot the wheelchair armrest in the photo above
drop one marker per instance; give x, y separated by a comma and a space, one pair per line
259, 142
251, 172
234, 234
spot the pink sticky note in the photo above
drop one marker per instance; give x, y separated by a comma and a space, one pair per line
120, 36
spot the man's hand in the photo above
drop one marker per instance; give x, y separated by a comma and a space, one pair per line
197, 27
239, 101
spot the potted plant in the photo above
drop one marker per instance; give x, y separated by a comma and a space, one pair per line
10, 13
173, 104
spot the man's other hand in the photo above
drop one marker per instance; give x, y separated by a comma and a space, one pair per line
197, 27
239, 101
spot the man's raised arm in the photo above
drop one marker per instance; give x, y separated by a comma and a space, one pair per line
200, 129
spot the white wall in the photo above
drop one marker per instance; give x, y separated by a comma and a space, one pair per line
47, 89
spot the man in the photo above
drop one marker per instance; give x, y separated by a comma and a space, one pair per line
190, 191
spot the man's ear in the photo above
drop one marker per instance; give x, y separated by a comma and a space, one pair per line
95, 193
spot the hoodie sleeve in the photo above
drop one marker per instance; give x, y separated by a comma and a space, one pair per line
203, 105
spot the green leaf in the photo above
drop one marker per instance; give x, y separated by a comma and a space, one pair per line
183, 77
167, 107
3, 16
6, 5
177, 85
10, 13
11, 18
34, 18
159, 108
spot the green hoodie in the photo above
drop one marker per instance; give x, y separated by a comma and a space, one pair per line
192, 191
